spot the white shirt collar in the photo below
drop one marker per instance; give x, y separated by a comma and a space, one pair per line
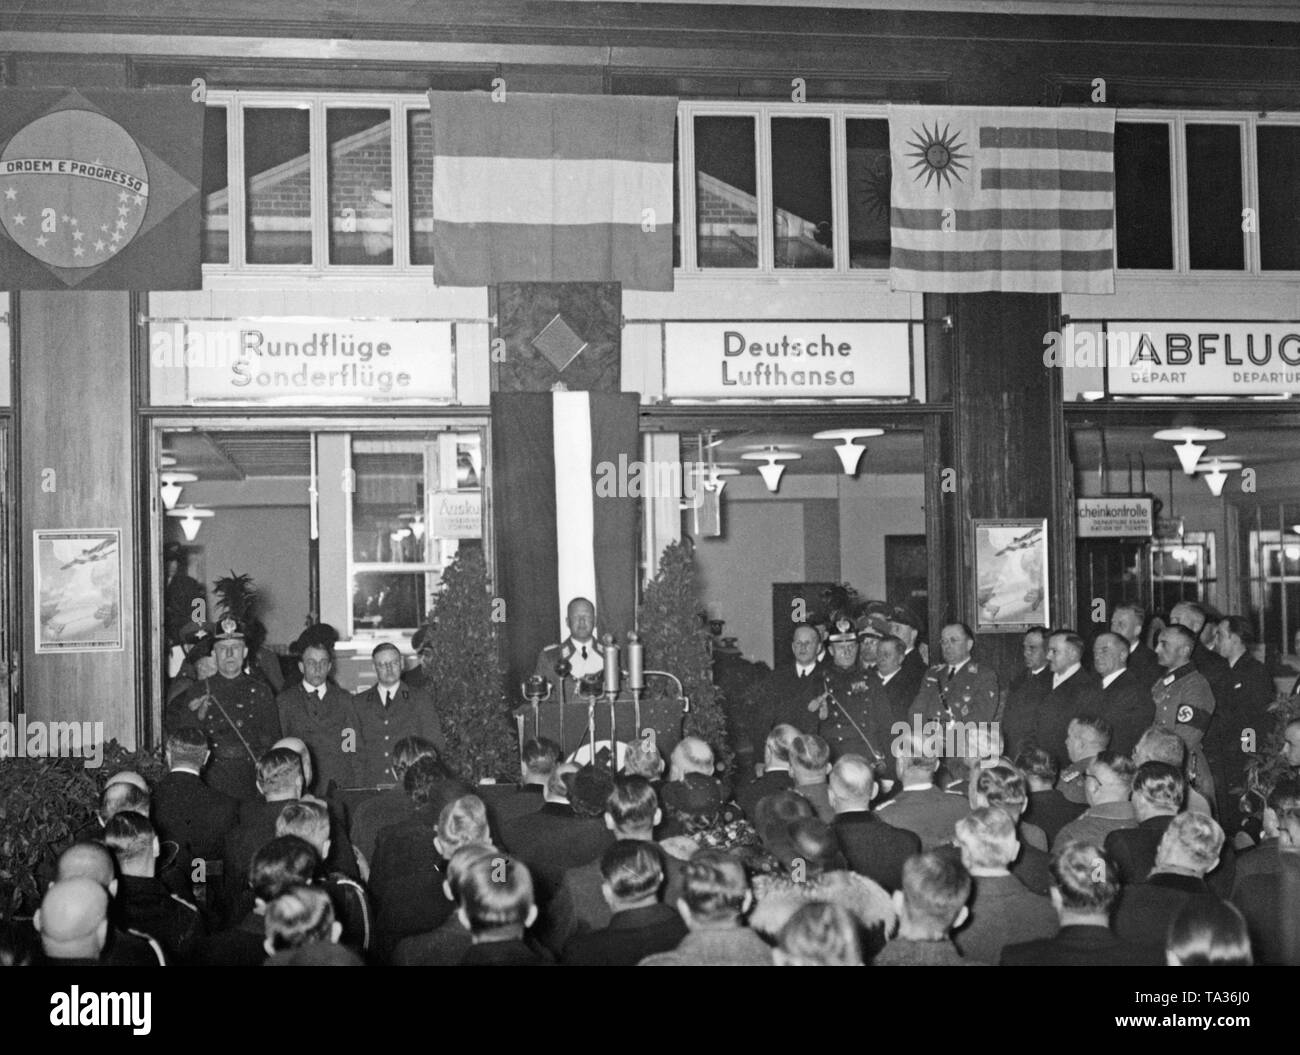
957, 666
801, 670
1058, 678
1038, 670
1105, 682
885, 678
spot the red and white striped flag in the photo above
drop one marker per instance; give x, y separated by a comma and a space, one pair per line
561, 535
552, 188
1012, 199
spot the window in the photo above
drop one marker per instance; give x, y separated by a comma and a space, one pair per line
1144, 227
1214, 230
415, 501
1278, 167
801, 192
869, 175
215, 188
360, 161
277, 186
1181, 569
726, 192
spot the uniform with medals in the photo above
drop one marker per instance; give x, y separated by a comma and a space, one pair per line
1185, 704
850, 723
967, 695
583, 658
239, 717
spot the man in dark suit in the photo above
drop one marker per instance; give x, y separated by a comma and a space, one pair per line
1127, 620
540, 756
1158, 790
1074, 691
783, 696
1270, 899
557, 837
1126, 703
890, 685
188, 812
1084, 888
1003, 911
776, 770
1189, 848
1026, 690
143, 903
321, 715
1241, 717
376, 812
279, 781
386, 712
905, 626
920, 807
1048, 808
631, 814
872, 848
1263, 859
641, 920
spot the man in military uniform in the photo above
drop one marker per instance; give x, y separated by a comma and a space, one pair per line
958, 690
580, 651
847, 723
322, 715
1184, 701
236, 712
421, 676
387, 712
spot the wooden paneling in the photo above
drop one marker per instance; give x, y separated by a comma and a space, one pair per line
592, 310
1009, 447
74, 354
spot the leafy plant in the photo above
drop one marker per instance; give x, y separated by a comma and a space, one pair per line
237, 596
674, 627
45, 805
1265, 766
468, 676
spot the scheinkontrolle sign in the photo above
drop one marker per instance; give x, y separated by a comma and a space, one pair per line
765, 360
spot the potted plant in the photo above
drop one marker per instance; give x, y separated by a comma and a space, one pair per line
467, 675
674, 627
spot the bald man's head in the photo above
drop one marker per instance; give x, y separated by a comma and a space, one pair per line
128, 776
852, 784
87, 861
691, 755
73, 920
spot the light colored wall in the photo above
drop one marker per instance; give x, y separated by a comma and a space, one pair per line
871, 507
270, 544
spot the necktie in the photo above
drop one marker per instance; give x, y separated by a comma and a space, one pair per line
584, 651
952, 673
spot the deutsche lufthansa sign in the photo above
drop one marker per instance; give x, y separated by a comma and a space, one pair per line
765, 360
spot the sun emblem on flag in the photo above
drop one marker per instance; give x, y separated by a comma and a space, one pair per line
938, 155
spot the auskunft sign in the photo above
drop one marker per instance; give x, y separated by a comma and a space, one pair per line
1202, 358
765, 360
1113, 516
301, 361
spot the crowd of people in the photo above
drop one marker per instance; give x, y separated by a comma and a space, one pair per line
1083, 817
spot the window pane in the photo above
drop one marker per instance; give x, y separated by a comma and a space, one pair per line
215, 191
1214, 197
360, 186
388, 600
277, 178
419, 152
1144, 230
1278, 151
726, 192
388, 503
869, 177
801, 191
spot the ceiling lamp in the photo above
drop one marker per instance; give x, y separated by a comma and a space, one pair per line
191, 518
166, 461
772, 470
1216, 474
1191, 448
171, 487
850, 453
